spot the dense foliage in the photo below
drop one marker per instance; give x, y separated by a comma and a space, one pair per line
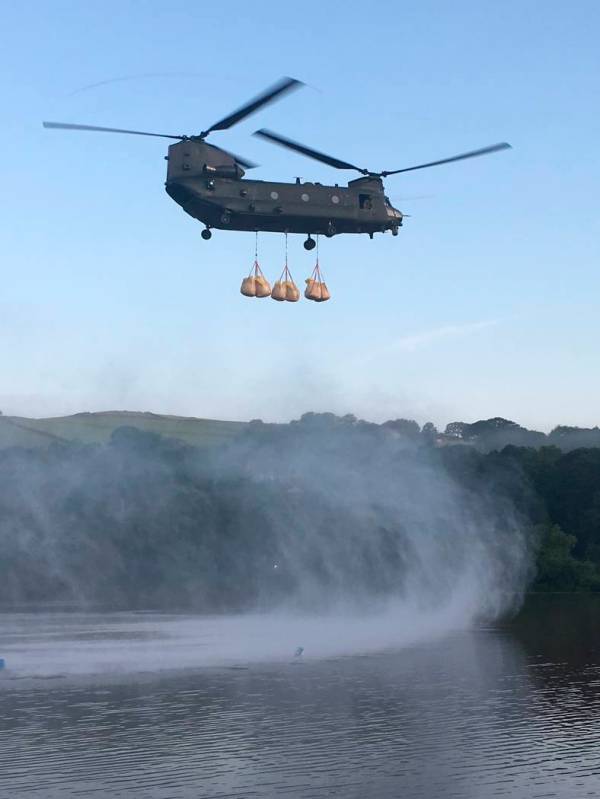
558, 494
149, 521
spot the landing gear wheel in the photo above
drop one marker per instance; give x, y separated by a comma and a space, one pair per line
395, 231
330, 230
225, 218
310, 244
206, 234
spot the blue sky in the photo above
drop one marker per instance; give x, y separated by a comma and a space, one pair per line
485, 304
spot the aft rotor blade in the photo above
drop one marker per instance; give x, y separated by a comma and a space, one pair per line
69, 126
282, 87
300, 148
494, 148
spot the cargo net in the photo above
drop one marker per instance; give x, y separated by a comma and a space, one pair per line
316, 288
285, 290
256, 284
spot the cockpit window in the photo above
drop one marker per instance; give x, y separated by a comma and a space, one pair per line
387, 202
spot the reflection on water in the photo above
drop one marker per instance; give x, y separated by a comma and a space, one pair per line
510, 712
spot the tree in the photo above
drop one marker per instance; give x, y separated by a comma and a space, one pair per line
456, 430
558, 570
568, 438
406, 427
429, 432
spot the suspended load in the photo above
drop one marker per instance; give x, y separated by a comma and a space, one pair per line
285, 290
316, 288
278, 292
263, 287
248, 288
256, 284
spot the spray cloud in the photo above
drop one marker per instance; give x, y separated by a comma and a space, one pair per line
326, 517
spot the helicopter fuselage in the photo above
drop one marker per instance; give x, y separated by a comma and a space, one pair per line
208, 182
210, 186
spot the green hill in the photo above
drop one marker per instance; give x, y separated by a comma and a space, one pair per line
88, 428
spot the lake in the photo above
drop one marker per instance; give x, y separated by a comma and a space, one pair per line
169, 706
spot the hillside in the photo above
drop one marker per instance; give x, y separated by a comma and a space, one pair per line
89, 428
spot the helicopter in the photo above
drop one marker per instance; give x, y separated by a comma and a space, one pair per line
208, 183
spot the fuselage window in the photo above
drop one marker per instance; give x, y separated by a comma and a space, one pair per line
365, 202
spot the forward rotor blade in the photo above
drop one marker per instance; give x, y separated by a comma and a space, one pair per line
282, 87
69, 126
300, 148
241, 161
494, 148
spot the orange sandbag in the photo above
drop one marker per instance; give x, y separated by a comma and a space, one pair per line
292, 292
248, 288
263, 287
325, 295
279, 291
313, 289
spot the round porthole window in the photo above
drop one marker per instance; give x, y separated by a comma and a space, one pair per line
274, 195
335, 199
304, 197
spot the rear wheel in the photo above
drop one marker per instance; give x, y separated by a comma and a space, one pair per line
310, 244
206, 234
330, 230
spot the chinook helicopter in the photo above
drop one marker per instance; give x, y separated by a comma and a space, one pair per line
208, 183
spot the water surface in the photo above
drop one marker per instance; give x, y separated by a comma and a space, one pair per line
144, 705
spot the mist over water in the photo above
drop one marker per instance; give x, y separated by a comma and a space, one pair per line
66, 645
372, 523
335, 535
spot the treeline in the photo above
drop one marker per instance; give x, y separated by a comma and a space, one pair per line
326, 505
495, 434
